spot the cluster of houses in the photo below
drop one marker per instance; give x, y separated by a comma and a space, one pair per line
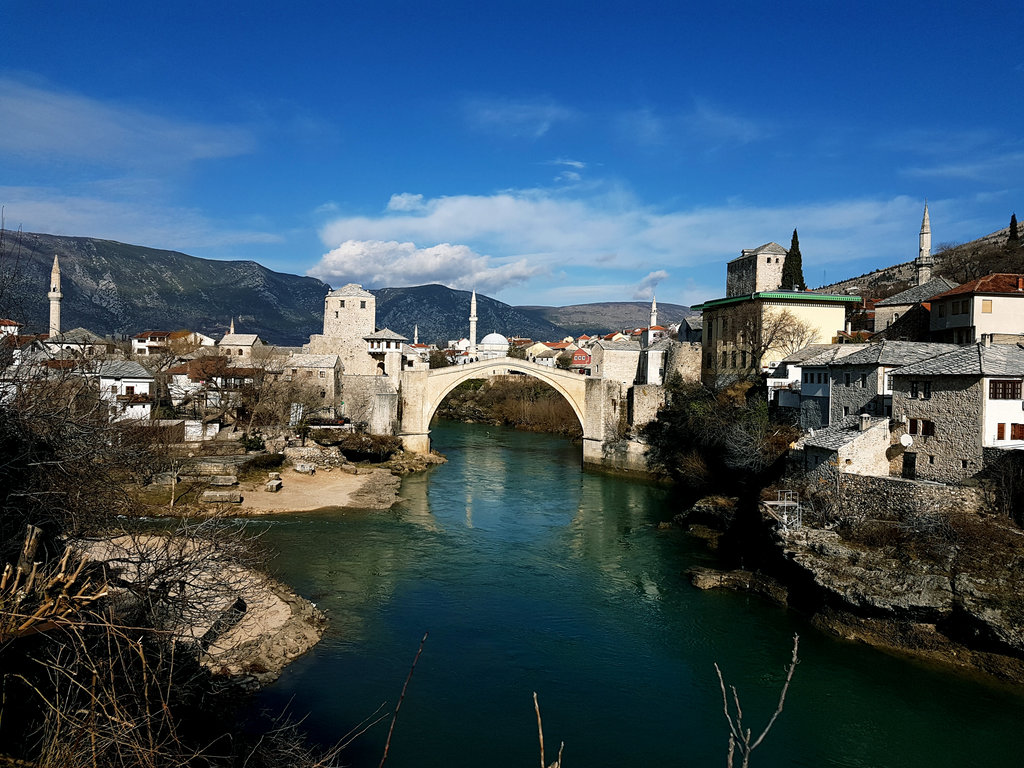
929, 387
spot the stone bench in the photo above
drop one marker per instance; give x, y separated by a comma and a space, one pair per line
221, 497
274, 485
223, 480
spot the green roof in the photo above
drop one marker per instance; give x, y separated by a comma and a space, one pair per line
779, 295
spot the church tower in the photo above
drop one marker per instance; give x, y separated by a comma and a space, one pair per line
654, 311
55, 296
472, 325
924, 260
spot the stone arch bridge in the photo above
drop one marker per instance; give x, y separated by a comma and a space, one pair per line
599, 404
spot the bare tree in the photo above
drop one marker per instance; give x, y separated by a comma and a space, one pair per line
741, 738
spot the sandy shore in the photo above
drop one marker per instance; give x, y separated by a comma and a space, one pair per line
371, 489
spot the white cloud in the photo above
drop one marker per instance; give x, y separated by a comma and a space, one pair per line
405, 202
522, 118
704, 125
378, 263
42, 124
645, 289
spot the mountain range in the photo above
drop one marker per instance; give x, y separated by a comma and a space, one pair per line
116, 288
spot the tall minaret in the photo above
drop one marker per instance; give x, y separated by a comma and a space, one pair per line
231, 326
415, 334
924, 260
55, 296
472, 325
654, 311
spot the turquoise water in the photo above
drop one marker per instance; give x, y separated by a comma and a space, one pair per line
533, 576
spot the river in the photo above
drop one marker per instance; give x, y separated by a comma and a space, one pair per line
531, 575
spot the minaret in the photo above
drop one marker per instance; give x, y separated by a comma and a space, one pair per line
924, 260
654, 311
415, 335
231, 326
55, 296
472, 325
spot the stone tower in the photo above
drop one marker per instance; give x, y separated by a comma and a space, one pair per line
350, 315
654, 311
472, 325
924, 261
55, 296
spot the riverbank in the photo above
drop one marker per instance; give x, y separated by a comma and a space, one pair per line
368, 488
949, 595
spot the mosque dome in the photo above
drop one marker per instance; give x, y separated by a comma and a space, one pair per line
494, 339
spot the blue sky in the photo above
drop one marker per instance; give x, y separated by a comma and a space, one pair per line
540, 152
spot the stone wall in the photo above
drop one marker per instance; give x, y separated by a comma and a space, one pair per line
371, 399
955, 407
644, 400
855, 398
893, 498
683, 358
740, 276
813, 412
626, 456
619, 365
355, 359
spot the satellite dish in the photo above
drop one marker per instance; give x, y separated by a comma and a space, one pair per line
906, 441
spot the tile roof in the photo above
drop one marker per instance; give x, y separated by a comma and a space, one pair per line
832, 353
773, 248
694, 322
835, 436
621, 346
239, 339
77, 336
121, 369
918, 293
894, 353
975, 360
385, 334
1000, 282
351, 289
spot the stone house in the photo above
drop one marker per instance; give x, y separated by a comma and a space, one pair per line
385, 348
240, 345
785, 379
861, 381
755, 269
80, 342
992, 305
321, 372
816, 384
615, 360
887, 311
954, 406
161, 342
854, 445
350, 315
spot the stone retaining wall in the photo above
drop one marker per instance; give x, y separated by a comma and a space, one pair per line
893, 498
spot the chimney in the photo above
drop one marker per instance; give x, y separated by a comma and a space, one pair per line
986, 339
865, 422
1020, 283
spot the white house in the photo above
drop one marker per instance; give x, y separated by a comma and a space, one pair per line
127, 388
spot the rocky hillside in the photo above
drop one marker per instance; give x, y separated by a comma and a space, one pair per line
443, 313
607, 316
959, 262
112, 287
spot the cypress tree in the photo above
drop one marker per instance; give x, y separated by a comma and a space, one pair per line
1014, 239
793, 267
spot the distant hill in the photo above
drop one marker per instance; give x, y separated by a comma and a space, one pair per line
117, 288
443, 313
607, 316
114, 288
960, 262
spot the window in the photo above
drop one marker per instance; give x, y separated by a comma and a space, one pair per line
1004, 389
912, 428
724, 359
239, 352
963, 463
1017, 431
846, 379
927, 428
743, 359
294, 371
336, 313
913, 389
734, 358
846, 411
1000, 431
926, 389
323, 374
769, 260
863, 380
129, 390
942, 310
362, 305
341, 304
986, 306
113, 389
931, 459
821, 378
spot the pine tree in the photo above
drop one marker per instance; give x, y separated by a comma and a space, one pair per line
793, 267
1014, 239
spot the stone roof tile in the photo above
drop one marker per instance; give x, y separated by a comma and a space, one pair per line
918, 293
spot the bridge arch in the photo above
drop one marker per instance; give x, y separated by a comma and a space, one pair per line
424, 391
